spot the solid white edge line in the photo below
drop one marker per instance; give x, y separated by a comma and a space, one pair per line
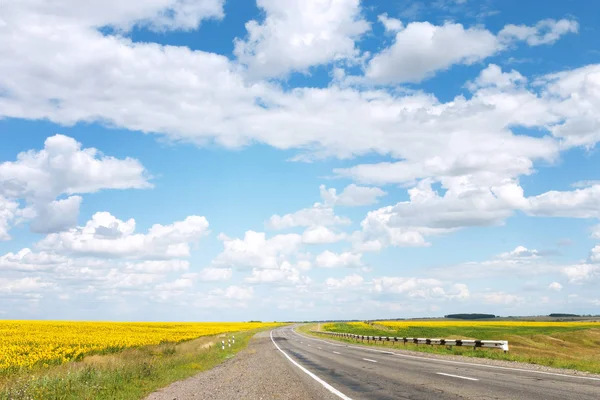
460, 362
335, 352
458, 376
316, 378
368, 359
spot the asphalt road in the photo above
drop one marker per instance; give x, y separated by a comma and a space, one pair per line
351, 372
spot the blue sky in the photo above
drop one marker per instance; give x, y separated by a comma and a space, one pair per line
233, 160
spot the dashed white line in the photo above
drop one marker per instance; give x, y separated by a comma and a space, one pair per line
458, 376
319, 348
308, 345
455, 362
335, 352
369, 360
316, 378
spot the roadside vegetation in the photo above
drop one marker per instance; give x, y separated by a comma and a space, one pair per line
130, 372
572, 345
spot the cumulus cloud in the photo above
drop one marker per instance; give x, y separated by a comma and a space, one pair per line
346, 282
158, 15
329, 259
233, 292
23, 285
62, 167
546, 31
318, 215
352, 195
519, 252
255, 250
502, 298
107, 236
321, 235
420, 288
421, 48
215, 274
581, 273
286, 274
8, 211
555, 286
391, 25
298, 34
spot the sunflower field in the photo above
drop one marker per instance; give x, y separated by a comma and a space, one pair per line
24, 344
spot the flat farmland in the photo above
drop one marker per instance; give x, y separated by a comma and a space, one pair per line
58, 359
572, 345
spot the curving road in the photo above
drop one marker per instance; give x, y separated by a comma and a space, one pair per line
353, 372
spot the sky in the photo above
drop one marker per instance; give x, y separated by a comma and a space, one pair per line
221, 160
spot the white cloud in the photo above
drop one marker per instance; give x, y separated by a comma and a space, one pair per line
318, 215
215, 274
256, 251
321, 235
328, 259
177, 285
465, 203
155, 14
420, 288
352, 195
519, 252
28, 261
57, 216
576, 97
391, 25
502, 298
493, 76
557, 287
579, 203
23, 285
546, 31
157, 266
8, 210
421, 49
106, 236
346, 282
286, 274
240, 293
581, 273
62, 167
297, 34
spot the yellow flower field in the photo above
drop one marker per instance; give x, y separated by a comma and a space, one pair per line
28, 343
474, 323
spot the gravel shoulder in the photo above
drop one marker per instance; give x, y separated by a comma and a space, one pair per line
258, 372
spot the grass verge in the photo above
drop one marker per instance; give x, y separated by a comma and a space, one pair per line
558, 347
130, 374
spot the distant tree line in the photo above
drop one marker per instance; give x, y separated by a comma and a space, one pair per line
470, 316
563, 315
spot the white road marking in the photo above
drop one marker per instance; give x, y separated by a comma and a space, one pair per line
457, 376
368, 359
316, 378
335, 352
458, 362
319, 348
308, 345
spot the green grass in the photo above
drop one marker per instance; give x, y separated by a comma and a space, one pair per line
560, 347
129, 374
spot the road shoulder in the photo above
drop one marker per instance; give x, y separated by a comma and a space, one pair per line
258, 372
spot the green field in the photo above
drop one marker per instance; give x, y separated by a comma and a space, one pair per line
573, 345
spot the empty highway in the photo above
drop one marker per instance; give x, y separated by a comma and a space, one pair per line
354, 372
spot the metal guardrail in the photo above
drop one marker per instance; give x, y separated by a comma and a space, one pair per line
489, 344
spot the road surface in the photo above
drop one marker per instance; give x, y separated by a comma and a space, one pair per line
353, 372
